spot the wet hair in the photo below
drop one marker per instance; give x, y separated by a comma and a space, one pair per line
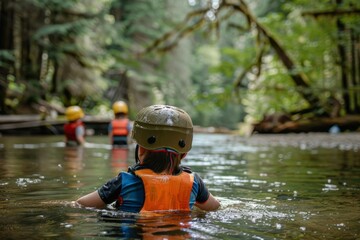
162, 160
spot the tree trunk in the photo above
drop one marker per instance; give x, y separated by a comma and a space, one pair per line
342, 56
354, 72
31, 53
54, 79
6, 44
357, 65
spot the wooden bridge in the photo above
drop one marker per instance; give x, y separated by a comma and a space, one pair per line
36, 125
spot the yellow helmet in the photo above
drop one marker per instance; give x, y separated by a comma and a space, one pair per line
120, 107
73, 113
163, 126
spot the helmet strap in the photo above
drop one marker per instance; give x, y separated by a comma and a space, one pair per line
137, 160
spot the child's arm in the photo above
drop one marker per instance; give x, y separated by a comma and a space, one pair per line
91, 200
110, 134
211, 204
80, 133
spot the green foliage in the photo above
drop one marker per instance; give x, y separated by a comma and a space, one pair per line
53, 5
6, 57
66, 29
311, 43
89, 47
15, 87
212, 97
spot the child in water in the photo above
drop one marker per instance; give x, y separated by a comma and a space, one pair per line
157, 182
120, 126
74, 130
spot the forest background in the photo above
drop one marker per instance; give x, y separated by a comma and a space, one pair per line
224, 62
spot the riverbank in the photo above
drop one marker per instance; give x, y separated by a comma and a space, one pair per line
35, 125
38, 125
320, 124
343, 141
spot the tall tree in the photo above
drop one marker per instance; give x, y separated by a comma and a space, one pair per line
49, 49
6, 49
345, 16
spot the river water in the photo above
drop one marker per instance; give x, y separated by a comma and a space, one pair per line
303, 186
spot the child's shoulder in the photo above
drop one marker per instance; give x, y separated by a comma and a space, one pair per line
129, 177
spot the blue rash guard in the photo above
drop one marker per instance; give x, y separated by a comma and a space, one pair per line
127, 191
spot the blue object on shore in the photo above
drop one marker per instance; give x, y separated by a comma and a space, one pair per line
334, 129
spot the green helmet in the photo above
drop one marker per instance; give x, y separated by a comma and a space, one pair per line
162, 126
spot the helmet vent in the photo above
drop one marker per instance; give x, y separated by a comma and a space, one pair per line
151, 140
182, 143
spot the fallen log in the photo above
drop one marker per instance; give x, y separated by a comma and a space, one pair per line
323, 124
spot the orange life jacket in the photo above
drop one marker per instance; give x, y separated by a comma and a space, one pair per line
120, 127
166, 192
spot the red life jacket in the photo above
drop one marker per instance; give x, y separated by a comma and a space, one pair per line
70, 130
166, 192
120, 127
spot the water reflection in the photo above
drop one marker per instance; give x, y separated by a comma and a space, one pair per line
119, 159
154, 226
73, 157
271, 187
